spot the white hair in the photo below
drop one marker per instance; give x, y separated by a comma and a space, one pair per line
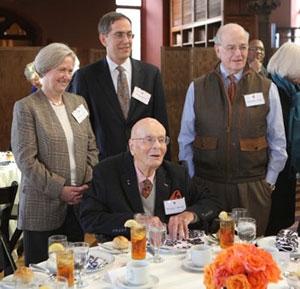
232, 27
285, 61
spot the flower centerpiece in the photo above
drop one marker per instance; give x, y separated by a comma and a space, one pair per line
241, 266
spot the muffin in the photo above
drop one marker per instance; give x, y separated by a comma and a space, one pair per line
120, 243
24, 274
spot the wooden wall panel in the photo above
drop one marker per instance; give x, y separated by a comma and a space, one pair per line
179, 67
13, 85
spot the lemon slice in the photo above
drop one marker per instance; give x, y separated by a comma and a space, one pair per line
223, 215
56, 247
131, 223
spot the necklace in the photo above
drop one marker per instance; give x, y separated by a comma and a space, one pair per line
56, 103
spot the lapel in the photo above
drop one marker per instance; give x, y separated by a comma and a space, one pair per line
106, 87
163, 187
130, 185
137, 78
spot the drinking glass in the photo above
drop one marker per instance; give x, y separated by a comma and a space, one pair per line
56, 243
157, 237
138, 242
65, 265
81, 252
237, 213
226, 232
246, 229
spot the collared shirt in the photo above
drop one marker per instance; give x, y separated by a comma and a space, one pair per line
275, 131
115, 73
149, 203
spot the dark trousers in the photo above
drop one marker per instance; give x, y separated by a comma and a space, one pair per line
283, 206
36, 242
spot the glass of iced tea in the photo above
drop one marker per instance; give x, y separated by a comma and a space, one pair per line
138, 242
226, 232
65, 265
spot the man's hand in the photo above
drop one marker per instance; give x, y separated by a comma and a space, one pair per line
72, 195
178, 225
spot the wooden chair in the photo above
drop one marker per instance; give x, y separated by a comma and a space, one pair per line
7, 199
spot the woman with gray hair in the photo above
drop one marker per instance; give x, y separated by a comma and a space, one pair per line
55, 149
285, 73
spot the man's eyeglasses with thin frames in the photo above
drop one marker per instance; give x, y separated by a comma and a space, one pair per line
150, 140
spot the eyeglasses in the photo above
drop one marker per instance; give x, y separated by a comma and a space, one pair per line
234, 48
258, 49
121, 35
150, 140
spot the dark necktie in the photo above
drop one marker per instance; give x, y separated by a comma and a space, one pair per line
231, 89
146, 188
123, 91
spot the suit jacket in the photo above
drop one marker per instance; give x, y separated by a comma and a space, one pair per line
114, 196
40, 149
112, 131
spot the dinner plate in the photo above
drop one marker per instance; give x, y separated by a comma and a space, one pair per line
269, 242
175, 247
98, 259
38, 279
122, 283
108, 247
188, 264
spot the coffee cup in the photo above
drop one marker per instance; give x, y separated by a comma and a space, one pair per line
201, 255
137, 272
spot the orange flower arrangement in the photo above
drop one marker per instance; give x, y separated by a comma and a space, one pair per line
241, 266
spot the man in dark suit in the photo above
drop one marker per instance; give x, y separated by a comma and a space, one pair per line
113, 114
117, 191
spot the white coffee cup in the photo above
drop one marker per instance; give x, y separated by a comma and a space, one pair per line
137, 272
201, 255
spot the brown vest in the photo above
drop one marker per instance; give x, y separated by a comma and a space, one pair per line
230, 144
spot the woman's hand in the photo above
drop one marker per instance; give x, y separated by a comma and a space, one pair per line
72, 195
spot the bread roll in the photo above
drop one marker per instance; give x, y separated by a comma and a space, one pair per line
120, 243
24, 274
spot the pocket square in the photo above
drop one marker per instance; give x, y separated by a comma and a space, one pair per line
176, 195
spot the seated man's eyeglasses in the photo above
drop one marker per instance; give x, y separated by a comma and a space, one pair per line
150, 140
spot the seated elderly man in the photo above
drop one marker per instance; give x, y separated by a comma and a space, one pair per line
141, 181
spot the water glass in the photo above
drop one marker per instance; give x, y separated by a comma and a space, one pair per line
81, 253
56, 243
237, 213
246, 229
157, 237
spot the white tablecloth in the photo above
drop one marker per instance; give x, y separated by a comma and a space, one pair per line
170, 273
9, 174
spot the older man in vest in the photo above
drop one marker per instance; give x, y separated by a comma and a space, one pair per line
232, 133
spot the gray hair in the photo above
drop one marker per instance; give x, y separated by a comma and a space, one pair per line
104, 25
233, 27
285, 61
51, 56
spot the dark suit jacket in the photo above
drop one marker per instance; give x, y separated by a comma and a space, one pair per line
112, 131
114, 196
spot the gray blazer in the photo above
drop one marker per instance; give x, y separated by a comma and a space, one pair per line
40, 149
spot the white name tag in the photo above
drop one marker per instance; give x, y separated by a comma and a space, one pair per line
254, 99
174, 206
80, 113
141, 95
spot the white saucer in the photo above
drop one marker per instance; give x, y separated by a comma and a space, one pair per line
187, 264
108, 247
123, 284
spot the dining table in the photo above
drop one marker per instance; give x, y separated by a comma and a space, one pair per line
169, 274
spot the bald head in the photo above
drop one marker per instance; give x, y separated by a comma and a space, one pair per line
230, 29
148, 144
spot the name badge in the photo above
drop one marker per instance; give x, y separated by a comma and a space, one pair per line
174, 206
141, 95
80, 113
254, 99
